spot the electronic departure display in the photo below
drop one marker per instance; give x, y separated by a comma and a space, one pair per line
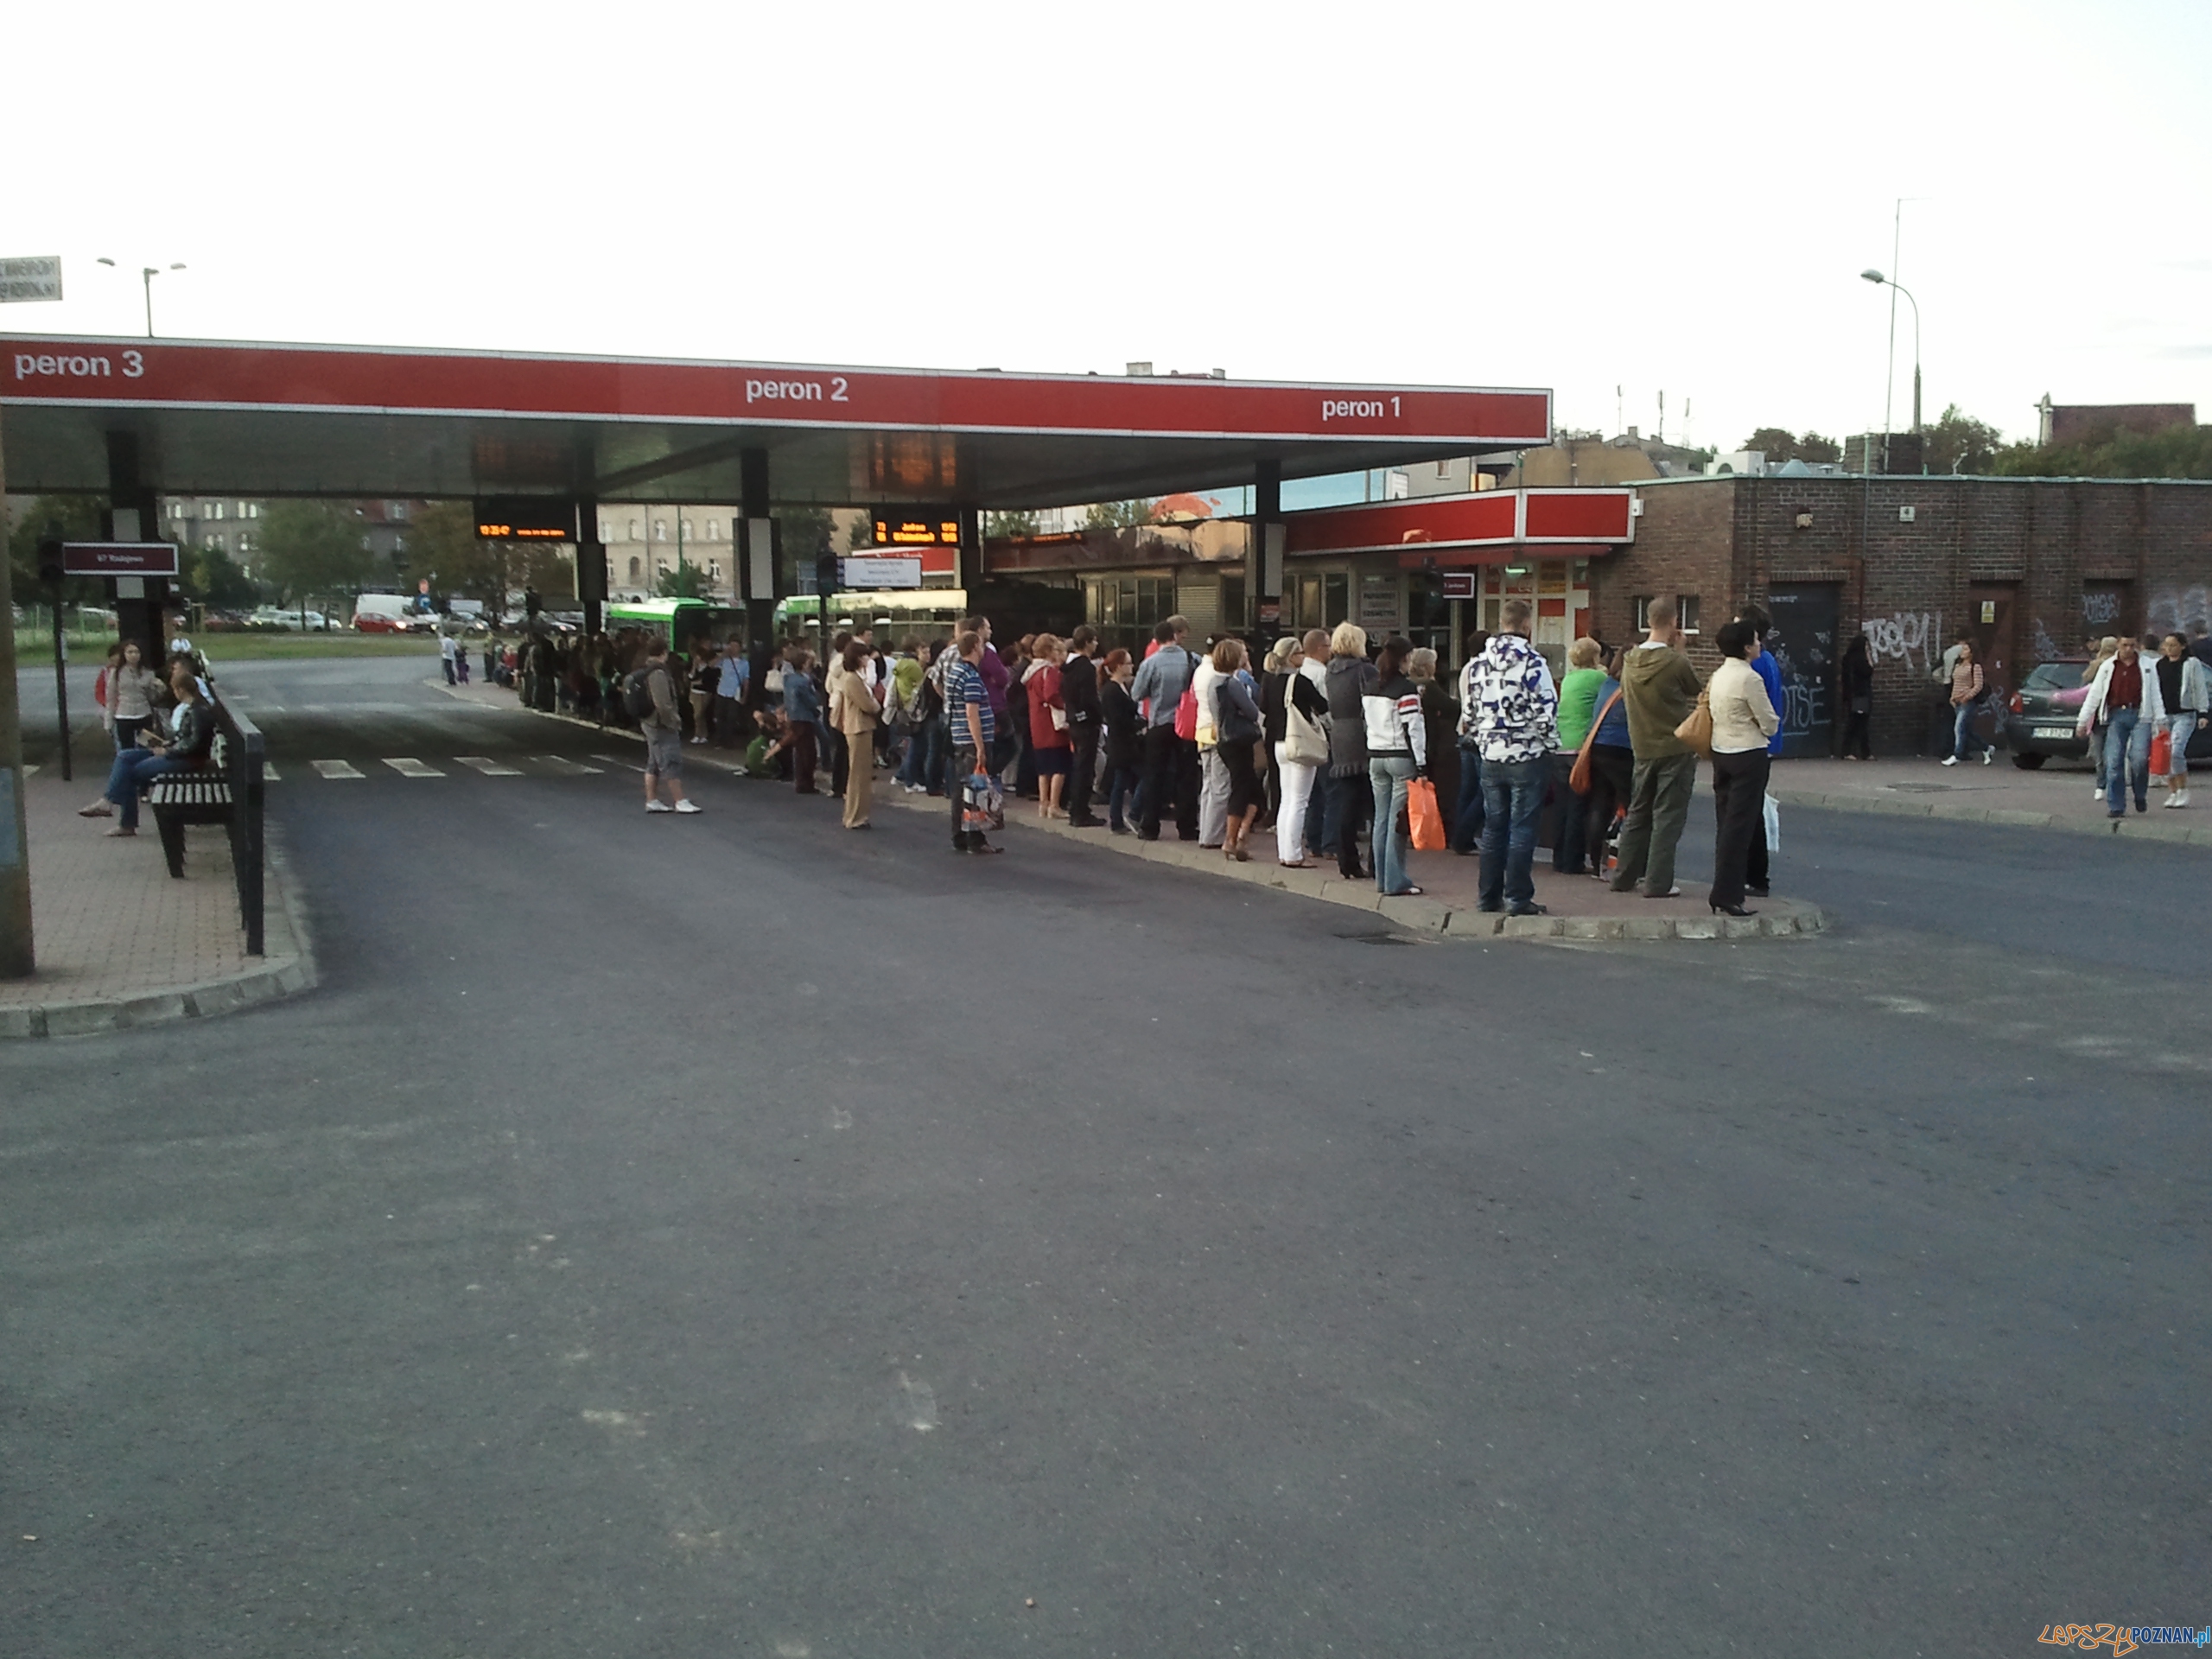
526, 518
916, 527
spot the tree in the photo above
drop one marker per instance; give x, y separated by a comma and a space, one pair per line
78, 516
1956, 443
315, 549
1776, 444
686, 581
213, 577
1004, 526
2179, 452
1116, 515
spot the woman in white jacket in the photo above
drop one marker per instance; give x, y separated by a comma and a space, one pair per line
2184, 691
2127, 698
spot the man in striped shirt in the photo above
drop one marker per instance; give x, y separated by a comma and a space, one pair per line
971, 726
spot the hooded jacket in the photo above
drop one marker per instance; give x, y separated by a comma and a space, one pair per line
1660, 689
1349, 681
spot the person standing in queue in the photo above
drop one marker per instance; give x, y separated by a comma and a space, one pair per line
1051, 749
1313, 653
856, 714
1352, 680
1301, 749
970, 723
1744, 719
1124, 724
1659, 688
802, 717
1079, 695
1516, 710
1397, 736
1578, 707
663, 725
1171, 759
1858, 689
1762, 663
1237, 732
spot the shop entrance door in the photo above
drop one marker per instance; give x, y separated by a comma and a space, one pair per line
1989, 614
1803, 640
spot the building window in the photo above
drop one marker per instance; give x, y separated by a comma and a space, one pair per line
214, 510
214, 543
714, 570
605, 533
630, 532
633, 570
660, 531
1686, 609
661, 566
714, 530
246, 543
249, 509
690, 534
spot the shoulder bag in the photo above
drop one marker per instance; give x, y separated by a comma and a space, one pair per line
1696, 728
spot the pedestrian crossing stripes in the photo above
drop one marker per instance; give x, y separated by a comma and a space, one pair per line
336, 768
566, 767
407, 767
487, 766
442, 766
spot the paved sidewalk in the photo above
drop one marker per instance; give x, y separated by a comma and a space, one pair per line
2054, 797
120, 943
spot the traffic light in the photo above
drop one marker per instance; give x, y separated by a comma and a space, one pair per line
49, 555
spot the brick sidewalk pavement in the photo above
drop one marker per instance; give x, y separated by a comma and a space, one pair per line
120, 943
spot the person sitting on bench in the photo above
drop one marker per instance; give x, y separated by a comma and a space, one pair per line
185, 749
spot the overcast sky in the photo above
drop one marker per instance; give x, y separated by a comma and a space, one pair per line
1579, 197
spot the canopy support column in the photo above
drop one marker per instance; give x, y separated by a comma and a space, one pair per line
134, 515
759, 568
1269, 537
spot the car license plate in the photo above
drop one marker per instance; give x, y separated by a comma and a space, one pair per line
2053, 731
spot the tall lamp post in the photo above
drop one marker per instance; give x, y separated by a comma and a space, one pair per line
146, 276
1876, 277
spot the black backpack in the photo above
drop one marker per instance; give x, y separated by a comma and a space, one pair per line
637, 695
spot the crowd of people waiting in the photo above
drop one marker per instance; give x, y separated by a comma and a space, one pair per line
1321, 744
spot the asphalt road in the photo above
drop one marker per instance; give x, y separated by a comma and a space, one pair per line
727, 1235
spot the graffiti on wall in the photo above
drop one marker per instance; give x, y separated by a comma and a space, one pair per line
2180, 610
2100, 608
2042, 647
1903, 636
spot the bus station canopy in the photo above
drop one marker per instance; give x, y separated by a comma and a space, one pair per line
219, 418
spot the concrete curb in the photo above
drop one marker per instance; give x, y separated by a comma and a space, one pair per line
1778, 918
2140, 826
286, 969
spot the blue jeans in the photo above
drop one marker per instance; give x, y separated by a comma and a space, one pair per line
1962, 731
1513, 799
2127, 749
925, 756
1467, 819
133, 770
1122, 797
2181, 727
1389, 775
1317, 818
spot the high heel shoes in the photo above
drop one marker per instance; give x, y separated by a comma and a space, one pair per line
1733, 910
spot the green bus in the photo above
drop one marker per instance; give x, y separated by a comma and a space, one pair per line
927, 611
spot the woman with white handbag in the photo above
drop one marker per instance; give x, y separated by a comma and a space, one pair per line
1301, 754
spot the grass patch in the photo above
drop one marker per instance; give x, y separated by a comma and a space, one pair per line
292, 647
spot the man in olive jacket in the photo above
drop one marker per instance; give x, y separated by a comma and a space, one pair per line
1659, 688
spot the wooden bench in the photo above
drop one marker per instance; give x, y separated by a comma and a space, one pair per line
226, 790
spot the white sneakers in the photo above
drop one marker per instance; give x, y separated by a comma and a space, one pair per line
1987, 756
687, 806
2096, 792
2179, 798
1950, 760
681, 806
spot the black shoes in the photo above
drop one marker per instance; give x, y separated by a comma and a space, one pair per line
1526, 910
1733, 910
1757, 892
1086, 821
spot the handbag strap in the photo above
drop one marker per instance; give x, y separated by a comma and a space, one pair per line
1591, 736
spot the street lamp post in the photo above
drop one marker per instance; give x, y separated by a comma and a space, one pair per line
1876, 277
146, 275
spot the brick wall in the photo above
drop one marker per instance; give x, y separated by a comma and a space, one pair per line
1906, 582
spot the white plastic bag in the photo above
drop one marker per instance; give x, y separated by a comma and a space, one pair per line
1773, 812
